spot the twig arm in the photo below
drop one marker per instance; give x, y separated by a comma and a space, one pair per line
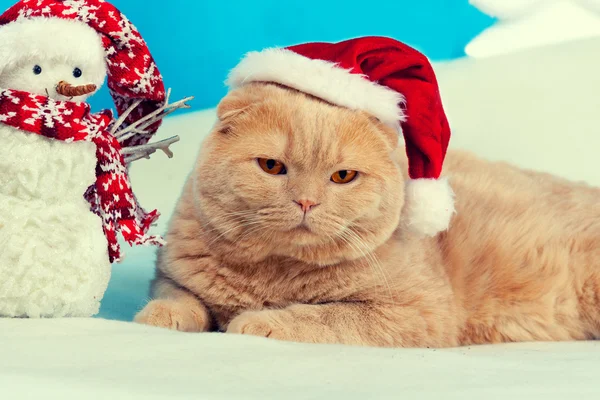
134, 153
139, 127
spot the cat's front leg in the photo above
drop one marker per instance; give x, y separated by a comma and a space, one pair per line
383, 325
174, 308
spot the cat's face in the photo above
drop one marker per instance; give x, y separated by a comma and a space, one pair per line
315, 181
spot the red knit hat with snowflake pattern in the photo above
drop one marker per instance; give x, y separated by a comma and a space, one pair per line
387, 79
132, 72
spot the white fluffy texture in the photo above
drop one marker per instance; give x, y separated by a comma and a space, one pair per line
321, 79
529, 23
98, 360
53, 253
429, 206
58, 46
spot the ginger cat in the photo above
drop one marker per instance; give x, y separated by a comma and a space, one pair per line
276, 235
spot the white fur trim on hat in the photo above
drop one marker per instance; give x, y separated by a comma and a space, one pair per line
429, 206
321, 79
40, 38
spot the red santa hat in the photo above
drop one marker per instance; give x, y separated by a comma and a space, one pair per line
391, 81
45, 27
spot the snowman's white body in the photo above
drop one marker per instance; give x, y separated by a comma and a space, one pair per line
53, 252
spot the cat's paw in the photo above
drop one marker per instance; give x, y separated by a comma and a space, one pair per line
170, 314
261, 323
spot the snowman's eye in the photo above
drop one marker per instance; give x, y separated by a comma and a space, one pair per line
37, 69
77, 73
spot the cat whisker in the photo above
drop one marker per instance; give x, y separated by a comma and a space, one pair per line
250, 232
239, 226
358, 244
375, 259
347, 241
214, 226
244, 212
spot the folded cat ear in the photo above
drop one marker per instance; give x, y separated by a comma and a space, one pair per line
232, 105
391, 135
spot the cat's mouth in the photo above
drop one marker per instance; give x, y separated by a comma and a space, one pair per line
302, 227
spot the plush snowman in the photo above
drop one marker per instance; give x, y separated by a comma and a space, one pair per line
64, 187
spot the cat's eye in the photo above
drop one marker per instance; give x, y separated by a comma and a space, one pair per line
37, 69
344, 176
271, 166
77, 73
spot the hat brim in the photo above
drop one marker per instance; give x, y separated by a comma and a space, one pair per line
321, 79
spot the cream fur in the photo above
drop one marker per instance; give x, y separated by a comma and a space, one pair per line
53, 257
520, 262
321, 79
58, 46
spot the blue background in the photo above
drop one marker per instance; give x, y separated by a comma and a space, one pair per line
196, 42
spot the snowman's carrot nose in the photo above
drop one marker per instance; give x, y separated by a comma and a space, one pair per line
68, 90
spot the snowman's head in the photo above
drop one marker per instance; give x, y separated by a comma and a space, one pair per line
53, 57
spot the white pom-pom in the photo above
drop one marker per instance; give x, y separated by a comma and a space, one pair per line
429, 206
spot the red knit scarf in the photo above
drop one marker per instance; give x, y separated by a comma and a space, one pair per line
111, 196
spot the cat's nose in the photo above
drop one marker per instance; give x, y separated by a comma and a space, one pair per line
306, 205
